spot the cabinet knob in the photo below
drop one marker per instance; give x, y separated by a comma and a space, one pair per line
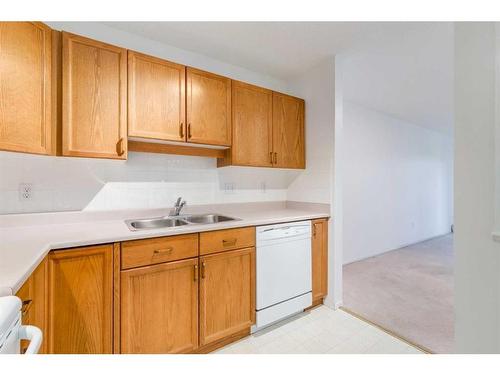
230, 242
168, 250
195, 272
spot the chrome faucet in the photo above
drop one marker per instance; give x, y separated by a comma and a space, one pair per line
179, 205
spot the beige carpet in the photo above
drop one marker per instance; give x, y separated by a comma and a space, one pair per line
408, 291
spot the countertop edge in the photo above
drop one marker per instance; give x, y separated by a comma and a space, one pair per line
46, 248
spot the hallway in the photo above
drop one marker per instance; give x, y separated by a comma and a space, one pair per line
408, 291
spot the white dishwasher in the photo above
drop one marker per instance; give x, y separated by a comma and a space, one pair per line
283, 271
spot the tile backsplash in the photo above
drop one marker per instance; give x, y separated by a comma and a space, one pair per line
142, 181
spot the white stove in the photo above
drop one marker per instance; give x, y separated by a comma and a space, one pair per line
12, 331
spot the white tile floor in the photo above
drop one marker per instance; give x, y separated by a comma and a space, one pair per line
319, 331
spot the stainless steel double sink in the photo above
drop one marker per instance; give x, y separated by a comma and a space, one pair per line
176, 221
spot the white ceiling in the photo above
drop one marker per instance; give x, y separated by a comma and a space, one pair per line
404, 69
408, 75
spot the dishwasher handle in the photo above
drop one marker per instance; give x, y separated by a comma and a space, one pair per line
283, 231
270, 229
300, 227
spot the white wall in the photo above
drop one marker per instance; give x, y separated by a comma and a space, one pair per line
397, 183
144, 180
336, 225
477, 256
316, 86
497, 128
321, 89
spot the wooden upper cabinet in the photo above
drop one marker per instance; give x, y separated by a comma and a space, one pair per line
81, 300
159, 308
208, 109
252, 116
25, 87
319, 259
156, 98
227, 294
288, 132
94, 90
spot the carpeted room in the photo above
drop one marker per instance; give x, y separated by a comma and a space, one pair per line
397, 183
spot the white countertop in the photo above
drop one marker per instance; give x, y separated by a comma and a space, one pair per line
26, 239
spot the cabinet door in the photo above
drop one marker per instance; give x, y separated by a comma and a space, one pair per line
34, 300
159, 308
252, 116
319, 259
208, 108
156, 97
227, 294
25, 87
81, 300
94, 98
288, 132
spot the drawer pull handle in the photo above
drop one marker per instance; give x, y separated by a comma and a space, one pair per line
26, 306
230, 242
168, 250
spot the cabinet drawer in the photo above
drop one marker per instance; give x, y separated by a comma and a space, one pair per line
158, 250
227, 239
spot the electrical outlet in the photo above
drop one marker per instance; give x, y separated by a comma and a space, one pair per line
229, 188
263, 187
25, 192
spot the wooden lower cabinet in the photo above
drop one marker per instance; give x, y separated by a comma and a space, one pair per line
92, 300
319, 260
81, 300
227, 294
159, 308
34, 303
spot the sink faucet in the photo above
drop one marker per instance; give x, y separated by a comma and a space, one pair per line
179, 205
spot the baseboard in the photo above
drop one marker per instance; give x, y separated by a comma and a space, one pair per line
397, 248
315, 303
205, 349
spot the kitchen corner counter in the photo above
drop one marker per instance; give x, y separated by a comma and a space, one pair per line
26, 239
